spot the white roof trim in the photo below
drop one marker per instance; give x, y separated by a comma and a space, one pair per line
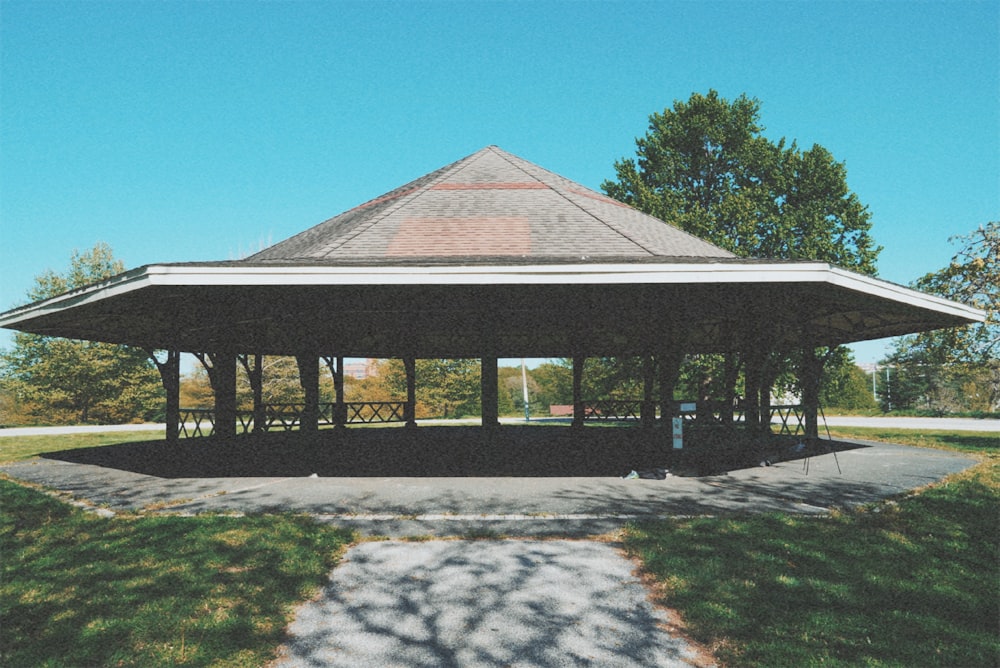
568, 274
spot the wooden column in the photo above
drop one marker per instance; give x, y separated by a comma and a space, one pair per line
669, 367
812, 372
648, 410
489, 391
731, 374
170, 376
336, 367
255, 375
753, 369
410, 409
224, 385
309, 380
578, 408
767, 379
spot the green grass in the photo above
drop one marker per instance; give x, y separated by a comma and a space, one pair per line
913, 581
965, 441
79, 590
16, 448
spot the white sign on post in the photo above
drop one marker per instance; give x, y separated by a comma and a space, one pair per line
678, 424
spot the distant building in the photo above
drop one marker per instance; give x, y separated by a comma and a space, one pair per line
361, 369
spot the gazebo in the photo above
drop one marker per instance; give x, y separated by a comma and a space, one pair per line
488, 257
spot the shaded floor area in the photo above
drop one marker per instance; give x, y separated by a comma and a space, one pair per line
452, 451
128, 477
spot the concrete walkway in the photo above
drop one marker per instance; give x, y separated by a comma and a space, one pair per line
485, 603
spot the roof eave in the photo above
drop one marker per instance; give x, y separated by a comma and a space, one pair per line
246, 275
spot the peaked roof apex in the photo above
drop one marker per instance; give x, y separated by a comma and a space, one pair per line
487, 205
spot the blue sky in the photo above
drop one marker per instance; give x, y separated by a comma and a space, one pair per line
185, 131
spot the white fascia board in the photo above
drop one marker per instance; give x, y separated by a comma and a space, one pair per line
112, 287
568, 274
898, 293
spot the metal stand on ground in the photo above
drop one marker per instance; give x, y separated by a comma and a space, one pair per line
829, 437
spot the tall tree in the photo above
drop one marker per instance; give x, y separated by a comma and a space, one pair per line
445, 387
972, 277
66, 380
705, 166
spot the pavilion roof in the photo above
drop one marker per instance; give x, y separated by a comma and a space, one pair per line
490, 253
486, 208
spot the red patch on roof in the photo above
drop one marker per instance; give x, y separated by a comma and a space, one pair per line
384, 198
494, 235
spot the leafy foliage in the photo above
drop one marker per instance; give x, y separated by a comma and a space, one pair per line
845, 385
930, 366
62, 380
705, 166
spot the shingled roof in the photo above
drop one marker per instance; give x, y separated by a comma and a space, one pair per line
489, 206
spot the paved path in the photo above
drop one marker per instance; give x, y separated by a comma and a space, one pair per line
955, 424
520, 506
484, 603
922, 423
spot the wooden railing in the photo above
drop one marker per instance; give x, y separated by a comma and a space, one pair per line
612, 410
195, 422
789, 419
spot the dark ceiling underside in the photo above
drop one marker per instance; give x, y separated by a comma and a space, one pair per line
470, 321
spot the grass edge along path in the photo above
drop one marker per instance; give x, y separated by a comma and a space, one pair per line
217, 590
912, 581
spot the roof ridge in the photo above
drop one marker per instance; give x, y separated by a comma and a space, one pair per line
503, 154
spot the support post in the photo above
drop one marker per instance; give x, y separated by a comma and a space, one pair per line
578, 408
223, 377
767, 379
489, 390
170, 376
754, 367
669, 367
410, 409
731, 374
336, 367
812, 372
255, 375
309, 380
648, 409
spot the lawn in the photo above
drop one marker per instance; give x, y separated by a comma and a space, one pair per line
80, 590
15, 448
913, 581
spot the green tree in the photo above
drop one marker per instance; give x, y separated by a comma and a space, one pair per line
510, 395
555, 384
61, 380
973, 352
845, 386
705, 166
445, 387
